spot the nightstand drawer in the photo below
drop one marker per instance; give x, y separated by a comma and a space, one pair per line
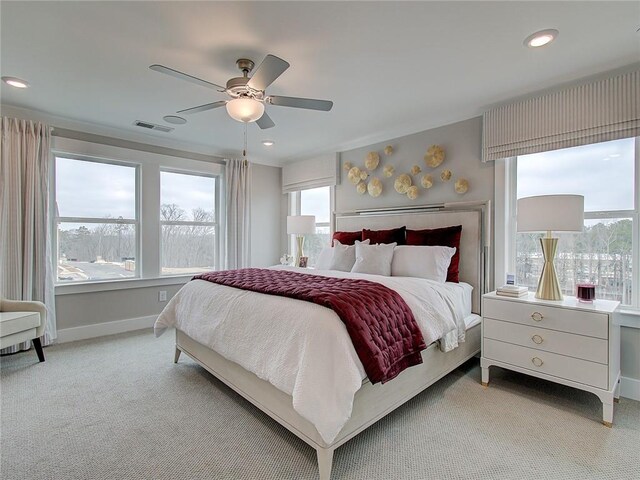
579, 346
555, 318
569, 368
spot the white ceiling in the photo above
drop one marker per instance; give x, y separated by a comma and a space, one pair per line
390, 68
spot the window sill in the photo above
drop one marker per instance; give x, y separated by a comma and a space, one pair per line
628, 317
107, 285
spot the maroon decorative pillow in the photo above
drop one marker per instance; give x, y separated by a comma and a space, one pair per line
396, 235
446, 237
346, 238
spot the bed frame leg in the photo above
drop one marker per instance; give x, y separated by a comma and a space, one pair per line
325, 461
176, 356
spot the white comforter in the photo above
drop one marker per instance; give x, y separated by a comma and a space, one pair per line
299, 347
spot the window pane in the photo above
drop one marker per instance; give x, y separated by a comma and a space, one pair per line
187, 197
187, 249
95, 190
602, 172
96, 251
601, 255
316, 201
313, 244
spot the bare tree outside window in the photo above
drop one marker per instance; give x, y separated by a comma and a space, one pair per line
188, 222
603, 253
316, 201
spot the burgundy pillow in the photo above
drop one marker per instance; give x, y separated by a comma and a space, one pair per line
396, 235
446, 237
346, 238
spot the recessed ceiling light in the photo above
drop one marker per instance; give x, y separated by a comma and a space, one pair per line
268, 143
15, 82
541, 38
176, 120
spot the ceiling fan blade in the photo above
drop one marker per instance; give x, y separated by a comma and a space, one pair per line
309, 103
265, 121
203, 108
270, 69
185, 76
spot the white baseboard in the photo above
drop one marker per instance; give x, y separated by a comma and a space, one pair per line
106, 328
630, 388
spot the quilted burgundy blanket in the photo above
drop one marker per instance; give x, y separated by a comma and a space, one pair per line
382, 327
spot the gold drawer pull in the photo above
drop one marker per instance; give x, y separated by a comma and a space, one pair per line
537, 316
537, 362
537, 339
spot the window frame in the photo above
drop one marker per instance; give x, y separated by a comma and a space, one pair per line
57, 219
149, 164
295, 207
215, 224
505, 208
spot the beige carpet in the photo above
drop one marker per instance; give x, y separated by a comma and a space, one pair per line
118, 408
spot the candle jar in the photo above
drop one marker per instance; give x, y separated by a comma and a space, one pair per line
586, 292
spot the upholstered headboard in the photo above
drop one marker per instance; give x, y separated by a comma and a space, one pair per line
472, 243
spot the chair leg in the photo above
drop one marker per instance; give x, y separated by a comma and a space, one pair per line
38, 346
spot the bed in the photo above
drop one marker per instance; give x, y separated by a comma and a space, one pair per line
287, 401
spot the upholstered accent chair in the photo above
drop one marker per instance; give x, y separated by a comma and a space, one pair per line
21, 321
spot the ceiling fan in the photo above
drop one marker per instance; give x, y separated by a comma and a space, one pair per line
248, 97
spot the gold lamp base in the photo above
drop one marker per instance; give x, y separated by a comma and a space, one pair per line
299, 251
548, 285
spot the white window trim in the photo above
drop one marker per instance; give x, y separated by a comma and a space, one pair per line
295, 207
505, 175
148, 205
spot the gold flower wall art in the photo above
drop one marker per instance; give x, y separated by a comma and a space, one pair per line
415, 170
372, 161
434, 156
402, 183
361, 188
427, 181
354, 175
388, 170
445, 175
375, 187
388, 150
461, 186
412, 192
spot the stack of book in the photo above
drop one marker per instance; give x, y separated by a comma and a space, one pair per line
512, 291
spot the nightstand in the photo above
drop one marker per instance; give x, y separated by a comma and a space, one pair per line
568, 342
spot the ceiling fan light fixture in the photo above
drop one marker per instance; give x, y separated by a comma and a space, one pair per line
245, 109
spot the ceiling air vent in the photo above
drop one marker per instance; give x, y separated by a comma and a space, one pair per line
152, 126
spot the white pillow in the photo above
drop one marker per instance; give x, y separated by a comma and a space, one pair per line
324, 259
344, 256
374, 259
422, 262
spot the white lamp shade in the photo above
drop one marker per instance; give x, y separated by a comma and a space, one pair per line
558, 213
245, 109
301, 224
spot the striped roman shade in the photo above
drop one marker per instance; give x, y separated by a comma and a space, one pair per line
313, 173
594, 112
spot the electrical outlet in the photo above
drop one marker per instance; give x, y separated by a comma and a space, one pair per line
162, 296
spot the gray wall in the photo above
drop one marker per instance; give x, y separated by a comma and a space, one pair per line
461, 141
630, 352
90, 308
266, 201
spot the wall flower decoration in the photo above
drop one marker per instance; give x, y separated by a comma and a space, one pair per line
402, 183
388, 150
347, 166
427, 181
434, 156
361, 188
445, 175
372, 160
363, 175
412, 192
375, 187
354, 175
461, 186
388, 171
415, 170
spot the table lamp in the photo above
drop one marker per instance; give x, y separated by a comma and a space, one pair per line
301, 225
558, 213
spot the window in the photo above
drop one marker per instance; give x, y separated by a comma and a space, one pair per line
606, 252
96, 219
188, 222
314, 201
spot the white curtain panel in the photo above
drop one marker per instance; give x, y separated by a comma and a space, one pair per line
26, 267
238, 213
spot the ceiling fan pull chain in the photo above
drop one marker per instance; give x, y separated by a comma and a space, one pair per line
244, 151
